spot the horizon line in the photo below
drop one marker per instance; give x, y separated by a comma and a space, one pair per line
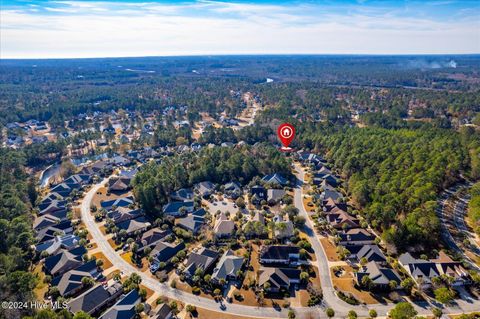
241, 55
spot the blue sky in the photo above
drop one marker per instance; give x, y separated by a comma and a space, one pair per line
88, 28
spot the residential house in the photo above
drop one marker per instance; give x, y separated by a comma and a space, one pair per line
380, 276
119, 202
119, 184
182, 195
133, 225
53, 246
331, 205
95, 299
195, 147
278, 278
64, 189
454, 269
423, 271
284, 228
369, 252
205, 189
151, 237
124, 308
280, 254
98, 168
50, 232
340, 219
193, 222
64, 261
122, 214
274, 196
53, 206
259, 217
227, 267
224, 227
70, 282
311, 158
164, 312
256, 226
120, 161
333, 194
275, 179
44, 221
178, 208
325, 181
322, 171
258, 194
203, 259
48, 199
356, 236
80, 179
232, 190
164, 251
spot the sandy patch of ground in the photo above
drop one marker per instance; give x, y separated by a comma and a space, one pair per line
103, 229
149, 291
300, 299
306, 202
106, 263
209, 314
330, 249
111, 274
111, 241
127, 257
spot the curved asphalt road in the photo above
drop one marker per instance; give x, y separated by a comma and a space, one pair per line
329, 298
166, 290
466, 304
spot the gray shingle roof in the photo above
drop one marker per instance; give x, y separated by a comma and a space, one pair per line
228, 266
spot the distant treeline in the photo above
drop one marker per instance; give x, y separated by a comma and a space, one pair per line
53, 89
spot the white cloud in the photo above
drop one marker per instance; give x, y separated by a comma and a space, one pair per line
91, 29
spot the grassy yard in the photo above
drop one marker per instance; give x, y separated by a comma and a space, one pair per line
111, 241
330, 250
208, 314
345, 283
106, 263
149, 291
183, 286
308, 201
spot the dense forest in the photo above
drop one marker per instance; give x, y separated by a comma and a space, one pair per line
395, 175
154, 183
474, 207
17, 193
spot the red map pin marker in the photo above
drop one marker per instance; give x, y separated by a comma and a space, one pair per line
286, 133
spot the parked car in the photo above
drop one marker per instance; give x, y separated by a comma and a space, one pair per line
154, 267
